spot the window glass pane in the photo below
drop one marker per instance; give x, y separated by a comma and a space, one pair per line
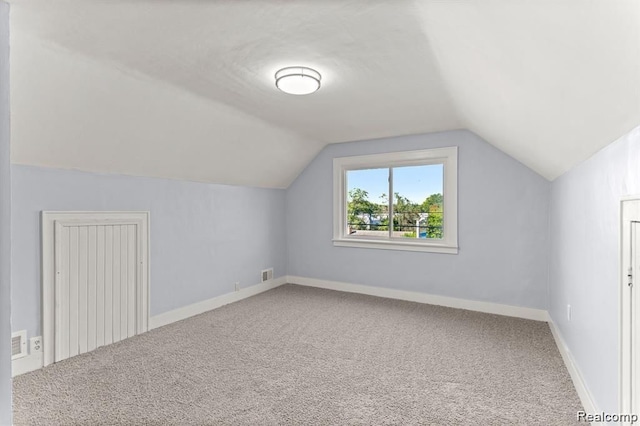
418, 202
367, 202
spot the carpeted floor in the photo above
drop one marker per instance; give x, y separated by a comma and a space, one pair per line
305, 356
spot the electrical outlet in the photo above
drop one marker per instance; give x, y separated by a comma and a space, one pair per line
237, 286
568, 312
35, 344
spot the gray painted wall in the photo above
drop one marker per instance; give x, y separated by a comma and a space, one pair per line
584, 261
5, 222
502, 221
204, 237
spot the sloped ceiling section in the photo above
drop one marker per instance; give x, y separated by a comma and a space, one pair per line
72, 112
548, 82
185, 89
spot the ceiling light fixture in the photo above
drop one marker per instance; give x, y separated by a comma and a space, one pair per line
298, 80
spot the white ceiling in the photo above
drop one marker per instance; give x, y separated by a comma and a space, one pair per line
185, 89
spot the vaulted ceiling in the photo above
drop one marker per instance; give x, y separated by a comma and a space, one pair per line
185, 89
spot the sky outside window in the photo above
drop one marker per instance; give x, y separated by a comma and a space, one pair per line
374, 181
413, 182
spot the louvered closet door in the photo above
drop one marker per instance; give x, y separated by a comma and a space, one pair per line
96, 286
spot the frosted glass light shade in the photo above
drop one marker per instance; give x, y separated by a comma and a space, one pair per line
298, 80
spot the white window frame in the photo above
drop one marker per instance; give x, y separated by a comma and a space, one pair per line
448, 157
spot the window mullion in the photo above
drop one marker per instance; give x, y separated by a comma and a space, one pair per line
390, 202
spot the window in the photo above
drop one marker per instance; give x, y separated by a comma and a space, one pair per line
398, 201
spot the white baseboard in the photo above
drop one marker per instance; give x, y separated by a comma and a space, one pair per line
213, 303
412, 296
26, 364
576, 377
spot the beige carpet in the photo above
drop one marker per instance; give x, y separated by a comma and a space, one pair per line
305, 356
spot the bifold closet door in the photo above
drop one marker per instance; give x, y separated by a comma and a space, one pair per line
96, 286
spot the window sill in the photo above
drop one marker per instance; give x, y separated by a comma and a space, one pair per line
395, 245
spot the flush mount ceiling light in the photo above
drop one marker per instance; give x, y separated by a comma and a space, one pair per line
298, 80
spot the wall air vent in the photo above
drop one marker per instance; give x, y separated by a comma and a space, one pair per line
18, 344
267, 274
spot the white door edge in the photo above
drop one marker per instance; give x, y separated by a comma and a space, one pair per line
629, 214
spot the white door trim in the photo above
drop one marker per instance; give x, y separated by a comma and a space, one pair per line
49, 221
629, 213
